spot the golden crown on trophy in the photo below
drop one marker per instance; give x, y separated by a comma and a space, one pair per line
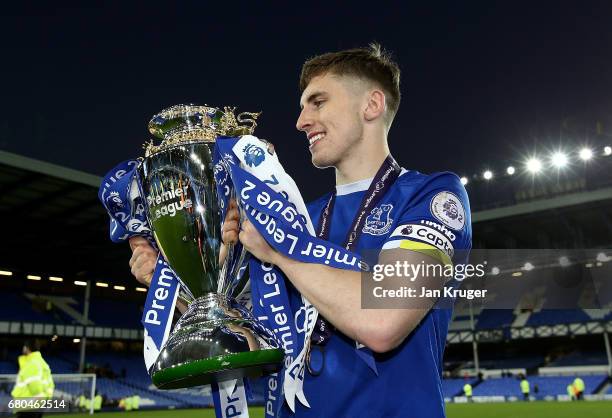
183, 124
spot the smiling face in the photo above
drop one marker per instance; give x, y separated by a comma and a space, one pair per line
332, 118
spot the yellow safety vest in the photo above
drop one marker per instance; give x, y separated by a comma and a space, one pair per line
34, 377
467, 389
97, 402
579, 384
128, 403
135, 402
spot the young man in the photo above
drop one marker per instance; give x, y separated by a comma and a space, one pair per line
349, 100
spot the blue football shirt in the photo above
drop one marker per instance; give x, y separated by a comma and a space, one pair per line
418, 211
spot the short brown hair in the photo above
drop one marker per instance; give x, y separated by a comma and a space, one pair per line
372, 63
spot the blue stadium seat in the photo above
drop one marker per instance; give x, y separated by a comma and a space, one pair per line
547, 385
114, 313
495, 318
16, 307
454, 387
557, 316
557, 385
581, 358
503, 386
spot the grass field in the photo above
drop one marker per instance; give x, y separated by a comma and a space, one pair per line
489, 410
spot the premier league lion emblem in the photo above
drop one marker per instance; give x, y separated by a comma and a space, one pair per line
450, 208
379, 221
407, 230
253, 155
447, 208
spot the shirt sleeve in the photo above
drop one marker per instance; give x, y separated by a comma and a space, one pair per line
435, 221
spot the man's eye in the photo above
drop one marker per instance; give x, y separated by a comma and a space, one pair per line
318, 103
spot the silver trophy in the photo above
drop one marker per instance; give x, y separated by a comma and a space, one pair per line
216, 338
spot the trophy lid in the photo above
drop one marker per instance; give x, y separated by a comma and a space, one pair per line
186, 123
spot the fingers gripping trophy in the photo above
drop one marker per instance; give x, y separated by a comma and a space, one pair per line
216, 338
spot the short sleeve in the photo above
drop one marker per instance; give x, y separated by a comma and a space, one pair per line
435, 220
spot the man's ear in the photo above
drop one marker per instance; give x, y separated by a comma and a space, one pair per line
375, 105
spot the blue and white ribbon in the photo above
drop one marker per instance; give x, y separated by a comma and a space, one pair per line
230, 399
121, 196
273, 204
159, 310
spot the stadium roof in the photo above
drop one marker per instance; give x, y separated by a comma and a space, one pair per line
52, 221
573, 199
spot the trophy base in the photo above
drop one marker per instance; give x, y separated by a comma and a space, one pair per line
215, 340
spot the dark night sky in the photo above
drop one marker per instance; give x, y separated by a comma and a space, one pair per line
482, 82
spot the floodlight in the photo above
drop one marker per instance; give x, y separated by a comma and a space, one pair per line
586, 154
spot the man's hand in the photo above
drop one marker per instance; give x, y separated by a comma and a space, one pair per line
248, 236
142, 263
143, 260
256, 244
229, 233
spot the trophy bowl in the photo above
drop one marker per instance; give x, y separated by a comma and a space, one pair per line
216, 338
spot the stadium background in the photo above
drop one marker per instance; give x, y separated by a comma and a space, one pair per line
56, 250
485, 85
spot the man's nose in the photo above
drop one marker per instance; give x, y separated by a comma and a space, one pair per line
304, 121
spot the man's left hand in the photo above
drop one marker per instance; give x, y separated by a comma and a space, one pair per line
256, 244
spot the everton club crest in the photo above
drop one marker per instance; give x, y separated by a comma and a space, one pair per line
379, 221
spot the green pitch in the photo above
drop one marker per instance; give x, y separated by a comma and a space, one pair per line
541, 409
489, 410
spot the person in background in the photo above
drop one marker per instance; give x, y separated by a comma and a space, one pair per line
525, 388
570, 392
131, 403
82, 402
34, 378
579, 388
135, 402
97, 403
467, 390
126, 404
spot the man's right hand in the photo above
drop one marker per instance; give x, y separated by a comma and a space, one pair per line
143, 260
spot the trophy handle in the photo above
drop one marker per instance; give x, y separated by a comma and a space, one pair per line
249, 117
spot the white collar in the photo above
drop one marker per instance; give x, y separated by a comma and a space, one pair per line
358, 186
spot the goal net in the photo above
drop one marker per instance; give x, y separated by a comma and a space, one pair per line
68, 387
